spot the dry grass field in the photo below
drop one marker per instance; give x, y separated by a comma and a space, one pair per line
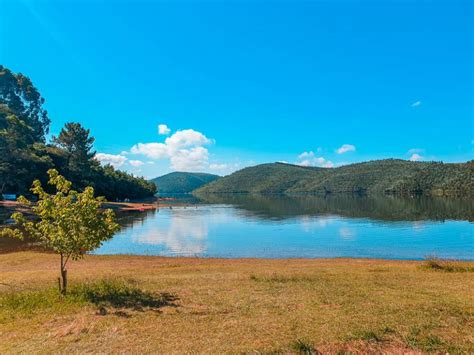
175, 305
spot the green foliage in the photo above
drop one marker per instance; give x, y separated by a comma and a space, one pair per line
182, 182
77, 144
21, 158
70, 223
25, 102
389, 176
114, 184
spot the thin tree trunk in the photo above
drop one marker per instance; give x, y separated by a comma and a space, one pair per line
63, 279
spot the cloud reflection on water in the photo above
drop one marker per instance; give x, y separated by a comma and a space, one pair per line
184, 235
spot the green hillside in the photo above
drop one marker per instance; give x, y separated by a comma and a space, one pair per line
382, 176
182, 182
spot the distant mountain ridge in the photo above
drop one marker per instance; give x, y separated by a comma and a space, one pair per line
182, 182
389, 176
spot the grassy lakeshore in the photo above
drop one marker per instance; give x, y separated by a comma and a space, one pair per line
135, 303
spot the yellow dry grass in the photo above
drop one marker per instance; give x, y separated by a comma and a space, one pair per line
246, 306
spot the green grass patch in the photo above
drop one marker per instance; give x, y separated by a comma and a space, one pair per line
113, 293
30, 302
436, 264
303, 347
420, 339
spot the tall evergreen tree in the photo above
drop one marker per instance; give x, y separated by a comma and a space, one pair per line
76, 141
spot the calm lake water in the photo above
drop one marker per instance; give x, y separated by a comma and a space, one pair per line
233, 226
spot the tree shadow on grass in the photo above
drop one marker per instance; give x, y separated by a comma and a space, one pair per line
121, 295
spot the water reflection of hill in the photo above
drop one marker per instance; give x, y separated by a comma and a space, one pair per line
375, 207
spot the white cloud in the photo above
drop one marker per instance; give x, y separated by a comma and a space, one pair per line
183, 236
416, 157
186, 138
136, 163
309, 159
151, 150
193, 159
114, 160
346, 148
163, 129
185, 150
416, 104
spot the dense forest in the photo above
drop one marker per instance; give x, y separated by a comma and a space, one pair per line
25, 154
182, 182
391, 176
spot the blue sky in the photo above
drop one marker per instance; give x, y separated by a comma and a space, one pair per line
239, 83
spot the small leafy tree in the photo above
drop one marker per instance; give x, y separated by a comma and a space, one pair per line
70, 223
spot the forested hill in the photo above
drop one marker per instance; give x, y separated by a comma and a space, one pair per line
25, 155
381, 176
182, 182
